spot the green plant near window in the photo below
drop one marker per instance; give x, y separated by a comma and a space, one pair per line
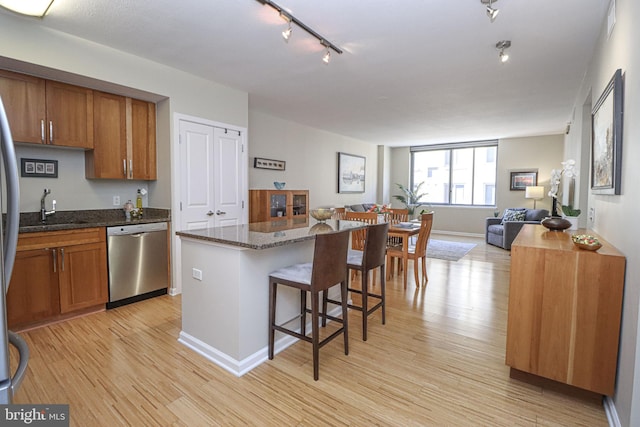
411, 197
568, 210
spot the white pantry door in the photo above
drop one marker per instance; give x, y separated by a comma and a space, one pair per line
212, 181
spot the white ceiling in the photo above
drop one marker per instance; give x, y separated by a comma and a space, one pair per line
413, 71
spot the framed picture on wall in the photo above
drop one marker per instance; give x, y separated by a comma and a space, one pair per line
606, 141
351, 173
520, 180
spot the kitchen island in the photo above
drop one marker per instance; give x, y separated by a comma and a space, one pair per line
225, 288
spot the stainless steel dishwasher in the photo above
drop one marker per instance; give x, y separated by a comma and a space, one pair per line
138, 262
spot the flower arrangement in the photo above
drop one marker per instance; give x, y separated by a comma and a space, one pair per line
568, 170
379, 209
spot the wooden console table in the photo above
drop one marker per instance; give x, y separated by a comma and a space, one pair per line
564, 309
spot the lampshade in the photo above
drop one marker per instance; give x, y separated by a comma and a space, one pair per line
27, 7
534, 192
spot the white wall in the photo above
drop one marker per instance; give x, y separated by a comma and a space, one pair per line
311, 157
615, 216
537, 152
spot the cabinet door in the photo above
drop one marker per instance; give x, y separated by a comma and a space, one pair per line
142, 149
109, 156
33, 293
69, 115
24, 101
299, 203
83, 276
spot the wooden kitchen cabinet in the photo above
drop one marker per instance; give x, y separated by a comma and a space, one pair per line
56, 274
564, 309
270, 205
47, 112
124, 139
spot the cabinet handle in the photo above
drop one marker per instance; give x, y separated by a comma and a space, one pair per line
219, 212
210, 213
42, 130
62, 259
130, 168
124, 167
55, 260
50, 131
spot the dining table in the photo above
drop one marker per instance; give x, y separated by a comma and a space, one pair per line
404, 231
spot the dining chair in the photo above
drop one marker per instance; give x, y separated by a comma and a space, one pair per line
372, 257
339, 213
415, 252
329, 268
395, 216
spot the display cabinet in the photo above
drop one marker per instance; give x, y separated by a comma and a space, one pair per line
270, 205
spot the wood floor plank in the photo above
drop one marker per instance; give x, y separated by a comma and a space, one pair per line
439, 360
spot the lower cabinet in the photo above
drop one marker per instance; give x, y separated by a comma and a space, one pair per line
57, 273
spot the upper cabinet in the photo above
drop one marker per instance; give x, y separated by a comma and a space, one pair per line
124, 139
47, 112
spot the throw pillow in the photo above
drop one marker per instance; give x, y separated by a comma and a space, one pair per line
513, 215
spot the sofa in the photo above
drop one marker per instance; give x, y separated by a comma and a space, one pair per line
503, 230
360, 207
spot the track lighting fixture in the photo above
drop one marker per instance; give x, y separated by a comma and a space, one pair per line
292, 19
286, 34
326, 58
501, 46
491, 11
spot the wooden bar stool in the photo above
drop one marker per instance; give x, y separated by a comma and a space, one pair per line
329, 268
372, 257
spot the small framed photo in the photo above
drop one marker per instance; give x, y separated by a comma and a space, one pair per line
261, 163
520, 180
38, 168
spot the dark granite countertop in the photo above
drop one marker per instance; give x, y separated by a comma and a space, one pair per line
264, 235
69, 220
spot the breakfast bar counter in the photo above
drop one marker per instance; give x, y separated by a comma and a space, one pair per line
225, 288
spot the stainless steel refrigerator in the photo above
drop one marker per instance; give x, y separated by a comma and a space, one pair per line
9, 232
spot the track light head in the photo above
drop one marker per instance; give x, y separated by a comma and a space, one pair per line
501, 46
286, 34
491, 11
326, 58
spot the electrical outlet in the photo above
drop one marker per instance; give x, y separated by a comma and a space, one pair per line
197, 274
116, 200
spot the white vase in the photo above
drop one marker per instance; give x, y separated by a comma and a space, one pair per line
574, 222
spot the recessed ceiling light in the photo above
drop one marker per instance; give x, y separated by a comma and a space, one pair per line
28, 7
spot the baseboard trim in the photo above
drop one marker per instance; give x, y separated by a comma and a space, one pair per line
610, 411
240, 367
457, 233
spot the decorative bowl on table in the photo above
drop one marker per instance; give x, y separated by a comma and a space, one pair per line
586, 241
279, 185
322, 214
555, 223
321, 228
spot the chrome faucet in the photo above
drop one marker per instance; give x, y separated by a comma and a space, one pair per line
44, 213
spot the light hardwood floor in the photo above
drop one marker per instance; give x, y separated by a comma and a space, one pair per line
439, 361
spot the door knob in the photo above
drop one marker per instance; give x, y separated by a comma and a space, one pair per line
209, 213
219, 212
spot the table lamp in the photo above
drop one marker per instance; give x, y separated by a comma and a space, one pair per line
534, 192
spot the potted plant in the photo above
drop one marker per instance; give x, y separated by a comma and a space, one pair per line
411, 197
571, 214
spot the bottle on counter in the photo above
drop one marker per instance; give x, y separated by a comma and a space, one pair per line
128, 207
139, 203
